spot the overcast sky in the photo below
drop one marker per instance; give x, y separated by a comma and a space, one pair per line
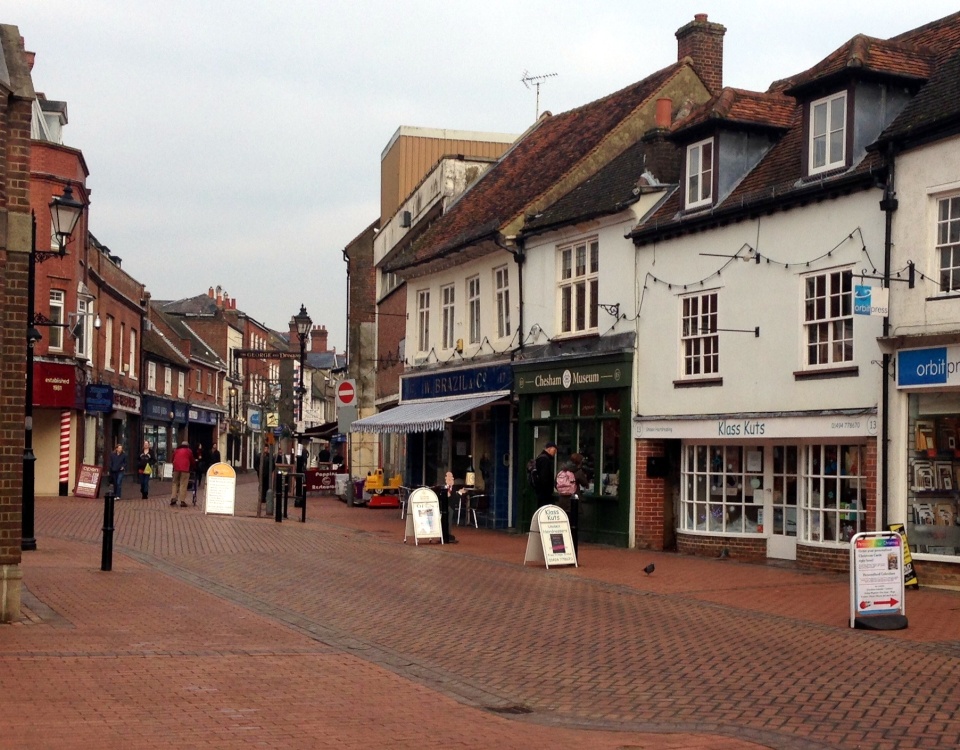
237, 142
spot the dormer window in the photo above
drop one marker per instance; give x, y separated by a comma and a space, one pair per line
828, 128
700, 174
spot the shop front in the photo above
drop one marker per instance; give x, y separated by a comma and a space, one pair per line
453, 419
203, 425
925, 455
584, 406
57, 402
158, 427
787, 486
123, 426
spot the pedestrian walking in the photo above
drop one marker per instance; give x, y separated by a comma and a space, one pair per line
184, 464
118, 467
214, 456
543, 484
200, 465
145, 465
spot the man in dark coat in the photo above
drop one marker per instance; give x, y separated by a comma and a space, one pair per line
446, 494
545, 475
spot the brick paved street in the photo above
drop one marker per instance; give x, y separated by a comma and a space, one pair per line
216, 631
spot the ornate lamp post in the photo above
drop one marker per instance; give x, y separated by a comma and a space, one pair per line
65, 212
304, 324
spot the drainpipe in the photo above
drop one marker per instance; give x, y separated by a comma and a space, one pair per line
888, 205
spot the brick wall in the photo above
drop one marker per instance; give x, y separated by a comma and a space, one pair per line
649, 498
15, 244
391, 329
739, 548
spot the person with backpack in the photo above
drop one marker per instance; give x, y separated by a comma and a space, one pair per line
542, 475
567, 484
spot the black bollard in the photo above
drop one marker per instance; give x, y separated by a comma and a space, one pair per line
286, 495
106, 555
278, 499
574, 519
303, 504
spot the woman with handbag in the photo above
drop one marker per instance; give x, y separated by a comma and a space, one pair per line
145, 464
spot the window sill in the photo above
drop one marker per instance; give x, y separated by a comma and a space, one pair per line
940, 297
697, 383
826, 373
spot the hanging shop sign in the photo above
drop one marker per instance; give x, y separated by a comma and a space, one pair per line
760, 428
99, 398
871, 300
462, 382
935, 367
574, 378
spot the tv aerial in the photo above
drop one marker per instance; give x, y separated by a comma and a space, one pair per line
536, 81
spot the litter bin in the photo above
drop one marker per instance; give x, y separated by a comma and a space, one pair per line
358, 489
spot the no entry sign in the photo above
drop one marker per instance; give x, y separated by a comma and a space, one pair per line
346, 392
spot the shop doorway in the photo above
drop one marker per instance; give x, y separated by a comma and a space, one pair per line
780, 479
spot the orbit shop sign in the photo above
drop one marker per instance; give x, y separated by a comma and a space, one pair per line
928, 368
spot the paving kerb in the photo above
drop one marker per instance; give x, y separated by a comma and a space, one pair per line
182, 537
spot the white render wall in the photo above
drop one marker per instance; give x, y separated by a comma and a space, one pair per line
757, 372
922, 176
616, 272
458, 275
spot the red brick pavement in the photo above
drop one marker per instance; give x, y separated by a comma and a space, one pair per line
214, 631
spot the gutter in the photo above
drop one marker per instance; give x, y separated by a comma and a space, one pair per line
888, 205
520, 257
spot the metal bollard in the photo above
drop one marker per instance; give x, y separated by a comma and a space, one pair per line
303, 504
278, 500
286, 496
574, 519
106, 555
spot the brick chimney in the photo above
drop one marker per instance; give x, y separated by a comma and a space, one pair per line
702, 42
318, 339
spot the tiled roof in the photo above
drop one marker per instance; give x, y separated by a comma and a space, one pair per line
936, 106
866, 54
202, 304
616, 186
779, 176
154, 343
538, 161
737, 106
942, 36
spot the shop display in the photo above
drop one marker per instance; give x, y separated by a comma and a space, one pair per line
934, 486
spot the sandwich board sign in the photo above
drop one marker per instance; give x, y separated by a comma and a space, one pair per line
549, 540
876, 581
221, 491
423, 516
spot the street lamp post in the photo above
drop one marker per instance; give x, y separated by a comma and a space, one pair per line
304, 324
65, 211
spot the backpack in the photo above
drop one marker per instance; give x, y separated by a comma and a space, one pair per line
566, 482
532, 473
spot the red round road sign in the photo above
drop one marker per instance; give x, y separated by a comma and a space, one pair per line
345, 393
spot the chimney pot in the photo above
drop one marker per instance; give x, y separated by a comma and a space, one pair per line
664, 112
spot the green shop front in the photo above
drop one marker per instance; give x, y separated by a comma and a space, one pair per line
583, 404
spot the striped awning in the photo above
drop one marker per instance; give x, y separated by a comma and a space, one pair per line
423, 416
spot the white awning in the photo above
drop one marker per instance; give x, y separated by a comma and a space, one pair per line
423, 416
